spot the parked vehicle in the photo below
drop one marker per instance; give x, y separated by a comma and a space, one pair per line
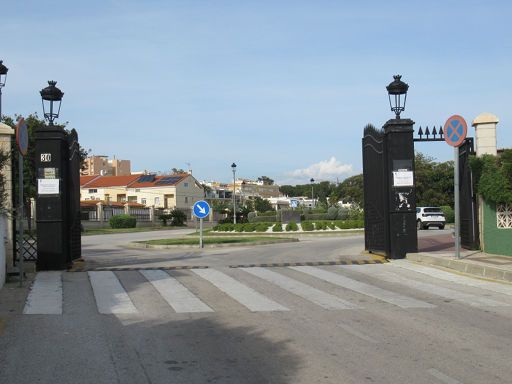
430, 217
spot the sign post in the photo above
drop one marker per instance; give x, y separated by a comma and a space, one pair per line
201, 210
455, 131
22, 141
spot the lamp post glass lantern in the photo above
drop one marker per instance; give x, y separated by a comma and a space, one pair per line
233, 168
3, 78
51, 98
397, 93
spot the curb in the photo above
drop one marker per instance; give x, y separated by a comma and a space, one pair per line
161, 246
484, 271
310, 263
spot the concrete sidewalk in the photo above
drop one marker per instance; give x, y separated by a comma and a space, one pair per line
440, 252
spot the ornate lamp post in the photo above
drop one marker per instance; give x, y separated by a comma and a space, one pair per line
51, 98
3, 78
312, 196
53, 186
397, 93
233, 168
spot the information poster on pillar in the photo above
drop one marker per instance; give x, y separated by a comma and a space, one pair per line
403, 178
48, 186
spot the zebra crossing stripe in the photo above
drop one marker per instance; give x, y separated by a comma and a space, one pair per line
428, 288
111, 298
45, 297
452, 277
363, 288
245, 295
175, 293
325, 300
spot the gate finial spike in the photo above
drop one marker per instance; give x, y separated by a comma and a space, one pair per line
420, 132
427, 132
434, 131
441, 131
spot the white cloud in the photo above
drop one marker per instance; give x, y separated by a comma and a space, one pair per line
323, 170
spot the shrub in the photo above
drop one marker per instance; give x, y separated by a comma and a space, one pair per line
165, 218
307, 226
267, 213
251, 216
122, 221
262, 227
249, 227
239, 227
331, 225
178, 217
292, 226
278, 227
226, 227
320, 225
349, 224
343, 213
332, 213
449, 214
355, 214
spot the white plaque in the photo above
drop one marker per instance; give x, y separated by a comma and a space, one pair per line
403, 179
48, 186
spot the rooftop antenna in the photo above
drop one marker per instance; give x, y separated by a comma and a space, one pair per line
189, 168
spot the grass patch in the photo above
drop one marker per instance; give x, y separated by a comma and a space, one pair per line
211, 240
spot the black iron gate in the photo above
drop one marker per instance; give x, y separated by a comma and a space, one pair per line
73, 197
376, 234
469, 234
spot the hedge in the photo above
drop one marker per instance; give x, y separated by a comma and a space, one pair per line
278, 227
315, 216
246, 227
264, 219
123, 221
292, 226
307, 226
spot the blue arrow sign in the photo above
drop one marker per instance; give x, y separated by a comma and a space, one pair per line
201, 209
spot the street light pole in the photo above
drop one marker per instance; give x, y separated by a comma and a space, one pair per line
312, 196
3, 77
233, 167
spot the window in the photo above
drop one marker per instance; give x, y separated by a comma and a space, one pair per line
93, 191
185, 185
157, 201
186, 199
132, 199
504, 215
143, 201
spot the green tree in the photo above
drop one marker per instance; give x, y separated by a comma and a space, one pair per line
434, 181
350, 190
266, 180
262, 205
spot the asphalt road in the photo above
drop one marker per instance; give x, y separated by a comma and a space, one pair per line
388, 323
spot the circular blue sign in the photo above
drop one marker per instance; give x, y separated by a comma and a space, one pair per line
201, 209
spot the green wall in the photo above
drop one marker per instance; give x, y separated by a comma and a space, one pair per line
496, 240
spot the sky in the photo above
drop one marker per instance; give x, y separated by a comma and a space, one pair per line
281, 88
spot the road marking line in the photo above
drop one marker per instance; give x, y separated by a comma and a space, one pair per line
175, 293
356, 333
454, 278
111, 298
433, 289
45, 297
366, 289
246, 296
316, 296
442, 377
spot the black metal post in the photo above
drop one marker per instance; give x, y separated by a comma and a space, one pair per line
399, 149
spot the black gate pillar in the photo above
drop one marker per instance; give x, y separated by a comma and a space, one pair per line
52, 164
401, 195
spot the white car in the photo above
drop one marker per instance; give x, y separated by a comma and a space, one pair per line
430, 217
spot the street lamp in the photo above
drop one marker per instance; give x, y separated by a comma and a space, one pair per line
396, 89
312, 196
3, 77
50, 95
233, 167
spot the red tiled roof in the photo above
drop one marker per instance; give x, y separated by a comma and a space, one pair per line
89, 203
85, 179
149, 184
110, 181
